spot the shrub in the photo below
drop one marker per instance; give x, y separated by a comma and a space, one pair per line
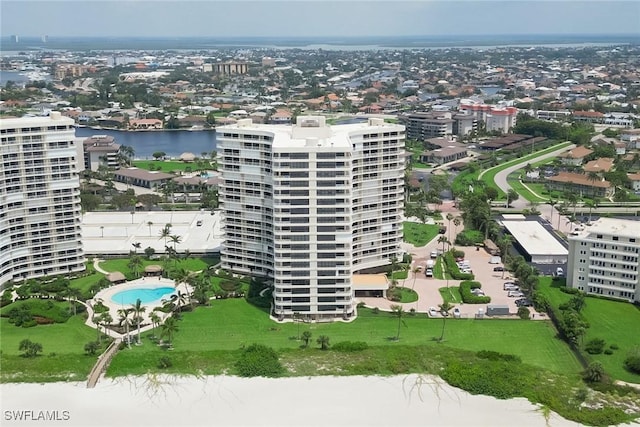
165, 362
350, 346
394, 294
608, 351
469, 238
258, 360
614, 347
496, 378
230, 286
595, 346
375, 310
468, 297
494, 355
632, 362
524, 313
453, 269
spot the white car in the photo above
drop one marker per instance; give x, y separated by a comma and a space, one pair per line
433, 312
515, 294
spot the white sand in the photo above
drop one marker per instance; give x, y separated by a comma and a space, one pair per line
232, 401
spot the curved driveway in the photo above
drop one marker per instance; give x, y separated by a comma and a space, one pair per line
501, 177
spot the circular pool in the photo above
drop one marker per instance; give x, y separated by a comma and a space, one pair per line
145, 294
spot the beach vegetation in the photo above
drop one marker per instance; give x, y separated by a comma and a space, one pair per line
258, 360
323, 342
30, 348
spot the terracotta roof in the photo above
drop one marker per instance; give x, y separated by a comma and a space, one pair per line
588, 114
634, 176
576, 153
579, 179
604, 164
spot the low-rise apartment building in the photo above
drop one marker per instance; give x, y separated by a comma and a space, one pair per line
604, 259
101, 150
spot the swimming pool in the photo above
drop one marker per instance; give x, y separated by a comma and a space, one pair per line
146, 295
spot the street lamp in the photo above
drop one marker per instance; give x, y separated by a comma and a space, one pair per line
132, 214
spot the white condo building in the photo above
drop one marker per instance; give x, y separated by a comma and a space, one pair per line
39, 198
309, 205
603, 259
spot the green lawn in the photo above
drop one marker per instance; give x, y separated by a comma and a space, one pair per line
615, 322
165, 166
522, 190
488, 176
232, 323
451, 294
439, 270
62, 358
407, 295
84, 283
191, 264
419, 234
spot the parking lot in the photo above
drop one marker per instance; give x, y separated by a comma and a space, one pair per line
428, 288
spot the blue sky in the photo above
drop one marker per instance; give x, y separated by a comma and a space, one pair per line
304, 18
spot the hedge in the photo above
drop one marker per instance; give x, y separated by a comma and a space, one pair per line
453, 269
468, 297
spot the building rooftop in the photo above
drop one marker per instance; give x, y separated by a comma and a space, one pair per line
579, 179
576, 153
612, 226
534, 238
603, 164
311, 131
369, 281
143, 174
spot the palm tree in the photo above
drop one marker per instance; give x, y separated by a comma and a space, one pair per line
169, 328
175, 239
155, 321
124, 319
445, 307
149, 224
512, 195
398, 311
415, 272
137, 309
323, 341
102, 230
136, 246
552, 203
165, 232
105, 319
594, 372
449, 218
134, 264
306, 337
457, 221
504, 244
443, 239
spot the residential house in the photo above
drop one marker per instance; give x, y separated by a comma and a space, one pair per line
575, 156
635, 181
142, 178
603, 164
145, 124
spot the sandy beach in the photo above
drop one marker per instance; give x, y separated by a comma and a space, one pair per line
410, 400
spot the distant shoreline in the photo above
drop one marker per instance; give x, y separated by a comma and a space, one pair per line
98, 128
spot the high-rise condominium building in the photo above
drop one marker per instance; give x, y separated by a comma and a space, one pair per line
603, 259
308, 205
39, 198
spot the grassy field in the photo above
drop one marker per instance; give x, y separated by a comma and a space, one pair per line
165, 166
615, 322
489, 175
451, 294
232, 323
419, 234
407, 295
84, 283
62, 358
191, 264
515, 183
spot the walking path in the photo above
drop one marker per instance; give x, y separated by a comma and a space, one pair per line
103, 363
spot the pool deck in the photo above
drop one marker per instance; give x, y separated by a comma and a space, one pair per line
105, 296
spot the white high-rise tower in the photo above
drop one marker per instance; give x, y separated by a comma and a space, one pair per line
309, 205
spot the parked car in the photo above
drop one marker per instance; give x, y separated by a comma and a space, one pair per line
515, 294
433, 312
429, 272
511, 287
523, 302
442, 230
477, 292
434, 254
499, 268
495, 260
199, 223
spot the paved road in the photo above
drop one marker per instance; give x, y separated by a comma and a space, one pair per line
501, 177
